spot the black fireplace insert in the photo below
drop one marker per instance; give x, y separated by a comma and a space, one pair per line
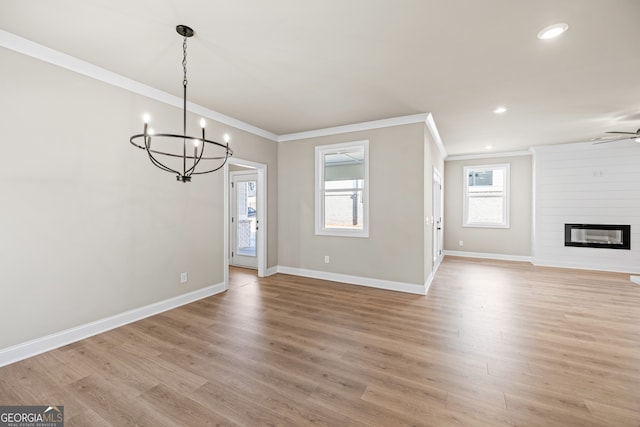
608, 236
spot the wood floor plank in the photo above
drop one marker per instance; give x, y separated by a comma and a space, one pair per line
494, 343
469, 411
107, 400
178, 408
85, 418
612, 415
243, 405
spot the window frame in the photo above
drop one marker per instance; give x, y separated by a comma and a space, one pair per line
505, 195
320, 152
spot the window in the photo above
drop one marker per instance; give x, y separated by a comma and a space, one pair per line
342, 196
486, 196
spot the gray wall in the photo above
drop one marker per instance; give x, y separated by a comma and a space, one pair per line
89, 227
395, 248
516, 240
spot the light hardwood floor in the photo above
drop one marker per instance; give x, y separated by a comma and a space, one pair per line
493, 343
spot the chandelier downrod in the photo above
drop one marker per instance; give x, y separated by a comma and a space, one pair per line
189, 162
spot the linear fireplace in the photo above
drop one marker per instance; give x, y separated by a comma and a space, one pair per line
598, 236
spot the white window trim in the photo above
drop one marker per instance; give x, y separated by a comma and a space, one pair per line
507, 197
320, 229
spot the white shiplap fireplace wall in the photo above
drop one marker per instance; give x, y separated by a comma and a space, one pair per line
586, 184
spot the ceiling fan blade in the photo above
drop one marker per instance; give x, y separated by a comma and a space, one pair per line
624, 133
606, 140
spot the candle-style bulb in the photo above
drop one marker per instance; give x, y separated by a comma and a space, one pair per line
146, 118
203, 123
150, 131
227, 138
196, 142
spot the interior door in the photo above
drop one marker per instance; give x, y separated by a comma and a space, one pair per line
437, 218
244, 219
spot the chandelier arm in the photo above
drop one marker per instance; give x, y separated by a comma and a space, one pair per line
212, 170
155, 161
209, 171
159, 165
196, 159
184, 156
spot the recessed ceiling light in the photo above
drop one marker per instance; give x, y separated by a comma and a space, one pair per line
552, 31
500, 110
488, 147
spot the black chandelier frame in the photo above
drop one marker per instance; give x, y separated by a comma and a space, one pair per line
189, 161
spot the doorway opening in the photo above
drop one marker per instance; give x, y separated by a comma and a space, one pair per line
245, 211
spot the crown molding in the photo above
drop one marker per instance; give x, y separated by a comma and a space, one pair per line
567, 147
491, 155
52, 56
431, 125
356, 127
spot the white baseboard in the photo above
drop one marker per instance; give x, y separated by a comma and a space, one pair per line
544, 262
590, 266
356, 280
635, 279
37, 346
501, 257
427, 283
432, 275
271, 271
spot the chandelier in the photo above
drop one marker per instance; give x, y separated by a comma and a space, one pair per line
182, 154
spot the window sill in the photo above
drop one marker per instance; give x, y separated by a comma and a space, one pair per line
486, 225
342, 233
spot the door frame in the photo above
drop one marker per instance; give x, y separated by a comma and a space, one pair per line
261, 216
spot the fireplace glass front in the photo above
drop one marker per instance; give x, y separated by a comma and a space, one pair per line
598, 236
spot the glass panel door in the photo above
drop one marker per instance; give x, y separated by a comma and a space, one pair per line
244, 220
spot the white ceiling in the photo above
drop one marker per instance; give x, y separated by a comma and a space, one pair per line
288, 66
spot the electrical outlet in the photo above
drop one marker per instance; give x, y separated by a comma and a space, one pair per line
183, 277
460, 243
326, 259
